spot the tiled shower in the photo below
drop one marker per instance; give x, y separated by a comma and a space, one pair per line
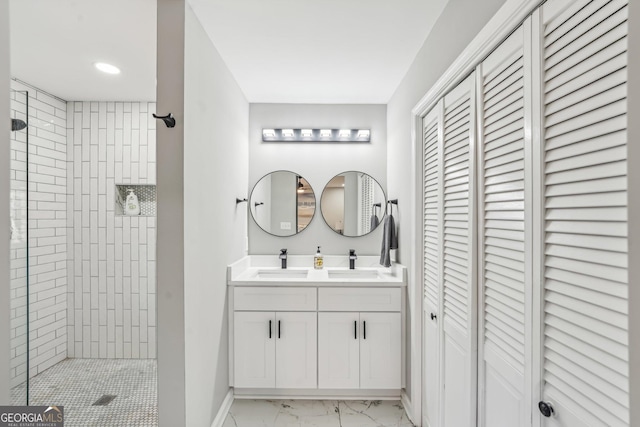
82, 274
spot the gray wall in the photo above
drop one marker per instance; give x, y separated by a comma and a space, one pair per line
202, 167
216, 117
333, 210
283, 202
5, 345
459, 23
317, 163
170, 243
351, 204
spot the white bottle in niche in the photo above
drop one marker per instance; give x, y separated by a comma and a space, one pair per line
131, 205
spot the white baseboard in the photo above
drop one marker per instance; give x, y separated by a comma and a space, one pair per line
218, 421
408, 408
316, 394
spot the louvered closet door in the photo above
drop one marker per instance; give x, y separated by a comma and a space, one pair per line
432, 260
504, 99
584, 263
458, 351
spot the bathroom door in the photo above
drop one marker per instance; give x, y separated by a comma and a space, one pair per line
450, 253
583, 362
458, 348
432, 153
505, 233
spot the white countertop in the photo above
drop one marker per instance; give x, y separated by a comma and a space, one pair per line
265, 270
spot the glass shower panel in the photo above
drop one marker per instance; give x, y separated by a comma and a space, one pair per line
19, 266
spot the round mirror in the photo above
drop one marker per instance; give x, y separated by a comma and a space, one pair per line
282, 203
353, 204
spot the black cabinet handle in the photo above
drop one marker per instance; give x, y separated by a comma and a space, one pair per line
433, 316
269, 329
279, 329
355, 329
364, 329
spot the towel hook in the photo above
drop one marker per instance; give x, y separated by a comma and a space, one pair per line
392, 202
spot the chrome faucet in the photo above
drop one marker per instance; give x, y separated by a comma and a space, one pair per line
352, 259
283, 257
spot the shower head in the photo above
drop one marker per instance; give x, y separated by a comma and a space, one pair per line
17, 124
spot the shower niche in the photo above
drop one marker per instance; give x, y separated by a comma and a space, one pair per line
146, 198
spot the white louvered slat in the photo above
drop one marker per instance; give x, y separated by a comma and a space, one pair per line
457, 127
585, 339
432, 201
504, 256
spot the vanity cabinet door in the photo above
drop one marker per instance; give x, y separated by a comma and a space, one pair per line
296, 350
380, 351
338, 350
254, 349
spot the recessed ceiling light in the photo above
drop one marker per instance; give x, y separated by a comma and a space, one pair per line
344, 133
287, 133
107, 68
306, 133
325, 133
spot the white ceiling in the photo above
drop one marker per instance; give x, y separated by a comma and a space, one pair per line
293, 51
318, 51
54, 44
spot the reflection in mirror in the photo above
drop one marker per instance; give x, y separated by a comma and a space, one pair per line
353, 204
282, 203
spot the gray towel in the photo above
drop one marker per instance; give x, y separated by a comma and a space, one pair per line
389, 241
375, 221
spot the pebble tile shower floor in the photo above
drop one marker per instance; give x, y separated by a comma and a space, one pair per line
77, 384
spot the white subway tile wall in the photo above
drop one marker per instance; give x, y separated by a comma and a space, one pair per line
47, 201
18, 243
91, 272
111, 297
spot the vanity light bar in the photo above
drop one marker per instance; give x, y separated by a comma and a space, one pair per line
316, 135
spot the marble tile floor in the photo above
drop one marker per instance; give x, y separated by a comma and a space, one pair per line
317, 413
77, 383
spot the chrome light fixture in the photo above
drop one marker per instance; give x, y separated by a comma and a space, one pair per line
316, 135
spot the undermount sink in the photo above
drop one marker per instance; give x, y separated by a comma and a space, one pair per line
282, 274
353, 274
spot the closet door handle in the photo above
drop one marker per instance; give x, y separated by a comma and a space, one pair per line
269, 329
355, 329
364, 329
279, 329
546, 409
433, 316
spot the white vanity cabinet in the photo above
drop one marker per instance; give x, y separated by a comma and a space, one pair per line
328, 334
275, 349
359, 349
